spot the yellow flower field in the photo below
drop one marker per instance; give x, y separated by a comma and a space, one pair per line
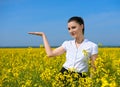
30, 67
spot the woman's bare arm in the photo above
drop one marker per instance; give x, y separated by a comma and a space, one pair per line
93, 58
58, 51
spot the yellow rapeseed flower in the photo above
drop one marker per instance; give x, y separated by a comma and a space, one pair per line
85, 53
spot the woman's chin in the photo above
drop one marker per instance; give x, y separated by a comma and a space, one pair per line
73, 36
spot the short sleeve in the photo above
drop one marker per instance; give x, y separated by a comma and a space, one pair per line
94, 49
64, 45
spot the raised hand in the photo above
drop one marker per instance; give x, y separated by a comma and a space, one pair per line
36, 33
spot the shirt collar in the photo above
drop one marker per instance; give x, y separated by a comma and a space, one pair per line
85, 40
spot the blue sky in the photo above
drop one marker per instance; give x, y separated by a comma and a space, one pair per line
18, 17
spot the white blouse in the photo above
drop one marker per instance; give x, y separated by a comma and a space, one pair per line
77, 58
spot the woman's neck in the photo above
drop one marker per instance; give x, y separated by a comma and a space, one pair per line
79, 40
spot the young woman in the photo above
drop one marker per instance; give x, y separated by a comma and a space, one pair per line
78, 51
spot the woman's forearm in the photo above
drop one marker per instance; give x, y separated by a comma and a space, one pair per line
45, 41
93, 58
47, 46
49, 51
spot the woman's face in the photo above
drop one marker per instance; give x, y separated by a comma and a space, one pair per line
75, 29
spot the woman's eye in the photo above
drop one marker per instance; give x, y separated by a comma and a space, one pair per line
68, 28
73, 27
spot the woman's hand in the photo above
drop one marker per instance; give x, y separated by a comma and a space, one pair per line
36, 33
49, 51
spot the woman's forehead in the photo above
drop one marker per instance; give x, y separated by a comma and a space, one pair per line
72, 23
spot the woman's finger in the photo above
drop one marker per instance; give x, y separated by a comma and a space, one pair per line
35, 33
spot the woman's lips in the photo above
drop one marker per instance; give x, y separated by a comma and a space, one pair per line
73, 33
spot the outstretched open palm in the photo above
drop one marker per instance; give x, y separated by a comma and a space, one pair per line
36, 33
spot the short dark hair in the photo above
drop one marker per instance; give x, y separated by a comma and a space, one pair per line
79, 20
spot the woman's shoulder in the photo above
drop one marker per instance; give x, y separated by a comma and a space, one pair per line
91, 43
68, 42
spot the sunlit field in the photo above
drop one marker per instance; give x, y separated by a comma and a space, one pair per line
30, 67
